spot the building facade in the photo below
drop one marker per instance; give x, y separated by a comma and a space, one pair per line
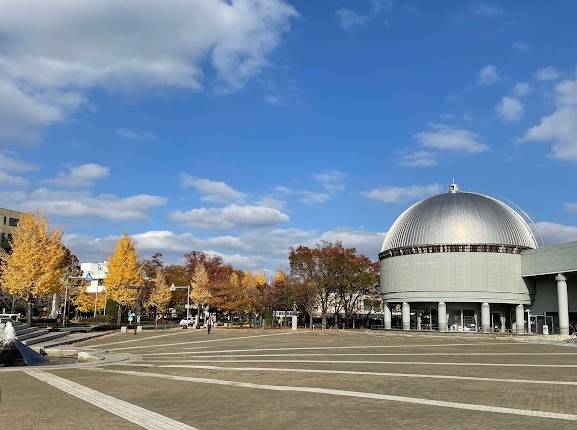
464, 261
97, 273
9, 220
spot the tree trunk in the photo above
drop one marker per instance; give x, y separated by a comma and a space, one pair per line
324, 320
311, 318
119, 315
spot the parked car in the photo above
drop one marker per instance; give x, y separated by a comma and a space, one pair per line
184, 323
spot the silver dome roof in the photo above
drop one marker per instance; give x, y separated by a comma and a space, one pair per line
459, 218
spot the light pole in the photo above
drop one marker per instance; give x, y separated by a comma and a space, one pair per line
68, 278
97, 284
173, 289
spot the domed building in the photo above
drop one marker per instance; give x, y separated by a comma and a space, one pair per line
464, 261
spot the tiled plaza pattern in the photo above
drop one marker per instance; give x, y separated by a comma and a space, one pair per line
273, 379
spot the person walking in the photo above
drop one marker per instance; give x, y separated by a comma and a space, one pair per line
209, 323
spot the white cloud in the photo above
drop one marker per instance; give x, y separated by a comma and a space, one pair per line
488, 75
83, 175
446, 137
272, 201
553, 234
26, 110
313, 198
548, 73
520, 46
271, 99
262, 249
571, 207
134, 134
487, 10
83, 204
212, 191
350, 20
402, 194
231, 217
521, 89
560, 127
419, 159
9, 180
67, 46
509, 109
332, 180
9, 163
366, 242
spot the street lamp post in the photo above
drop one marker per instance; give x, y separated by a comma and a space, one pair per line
137, 304
68, 278
97, 284
174, 288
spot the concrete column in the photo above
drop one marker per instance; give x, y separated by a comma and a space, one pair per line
562, 304
485, 317
418, 320
387, 310
406, 315
520, 319
442, 316
503, 319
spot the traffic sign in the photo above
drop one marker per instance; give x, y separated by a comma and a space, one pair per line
88, 277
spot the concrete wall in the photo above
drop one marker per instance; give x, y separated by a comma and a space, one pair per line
549, 260
546, 294
454, 277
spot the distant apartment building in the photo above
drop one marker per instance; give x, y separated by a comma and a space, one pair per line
96, 272
9, 220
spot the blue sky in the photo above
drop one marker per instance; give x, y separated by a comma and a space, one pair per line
245, 127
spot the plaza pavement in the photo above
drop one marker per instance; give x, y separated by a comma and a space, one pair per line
276, 379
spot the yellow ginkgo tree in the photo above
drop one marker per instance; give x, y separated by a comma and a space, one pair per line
199, 292
160, 294
123, 272
84, 302
37, 263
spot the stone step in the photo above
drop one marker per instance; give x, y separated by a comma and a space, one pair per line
44, 338
32, 334
23, 330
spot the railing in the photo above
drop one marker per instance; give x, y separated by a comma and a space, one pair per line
10, 316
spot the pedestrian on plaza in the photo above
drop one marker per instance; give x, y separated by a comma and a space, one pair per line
209, 323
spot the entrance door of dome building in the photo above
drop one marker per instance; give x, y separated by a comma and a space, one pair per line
463, 317
424, 317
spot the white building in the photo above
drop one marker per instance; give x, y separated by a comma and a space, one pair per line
97, 272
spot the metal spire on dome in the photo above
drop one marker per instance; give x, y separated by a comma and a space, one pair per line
453, 188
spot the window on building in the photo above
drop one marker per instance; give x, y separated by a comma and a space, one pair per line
13, 222
4, 220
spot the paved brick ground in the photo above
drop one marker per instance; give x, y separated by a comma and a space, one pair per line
481, 373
